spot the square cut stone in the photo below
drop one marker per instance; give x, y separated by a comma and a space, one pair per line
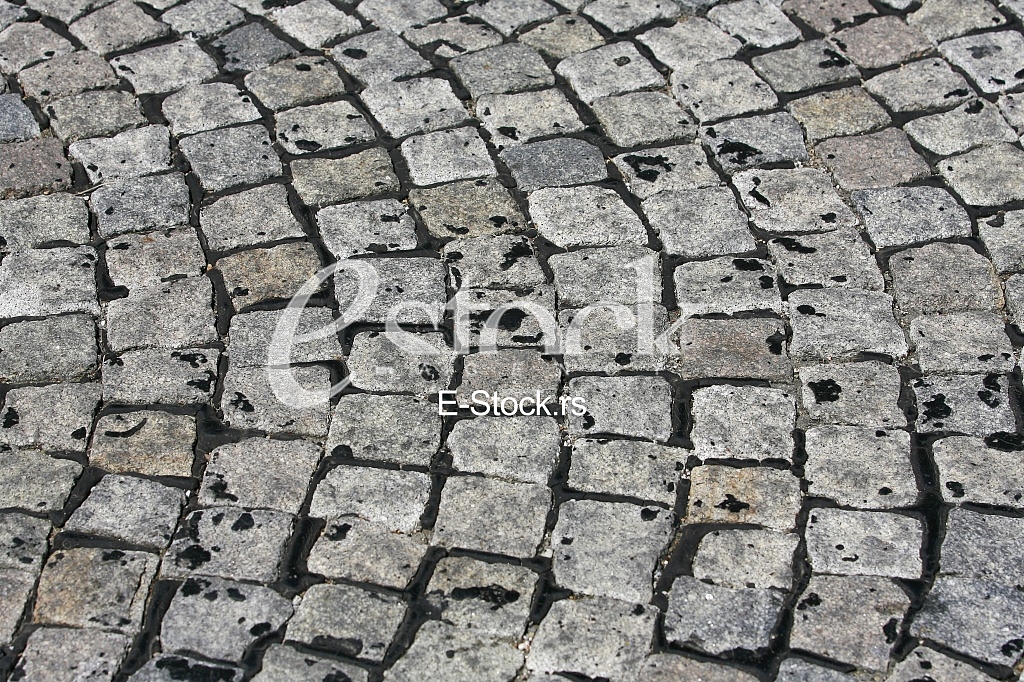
466, 209
55, 349
643, 118
473, 610
924, 658
972, 404
925, 85
883, 159
250, 336
161, 376
609, 70
512, 373
389, 497
117, 26
721, 89
856, 393
972, 472
40, 282
130, 509
942, 19
130, 154
563, 36
377, 364
986, 177
606, 347
746, 558
593, 275
585, 216
419, 105
654, 475
860, 466
881, 42
165, 68
608, 402
726, 285
979, 545
609, 549
759, 495
555, 163
315, 22
759, 23
94, 114
146, 442
321, 127
258, 472
55, 418
968, 126
868, 607
501, 261
897, 216
251, 47
520, 449
841, 542
95, 588
699, 222
69, 652
1003, 236
353, 549
66, 75
37, 483
836, 324
715, 619
23, 44
36, 221
232, 156
739, 144
837, 113
524, 116
292, 82
320, 182
732, 349
357, 622
807, 66
176, 314
16, 120
387, 428
367, 227
595, 637
834, 259
402, 283
140, 204
622, 17
219, 619
203, 18
274, 273
398, 16
1012, 107
197, 108
249, 218
470, 516
508, 68
258, 398
447, 155
681, 167
378, 57
228, 542
793, 200
33, 167
689, 42
154, 258
943, 278
742, 422
825, 16
519, 321
453, 36
961, 343
508, 16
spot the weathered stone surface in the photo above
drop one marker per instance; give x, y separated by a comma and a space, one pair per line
55, 349
329, 181
364, 551
365, 425
971, 471
357, 622
856, 394
33, 167
134, 510
389, 497
654, 476
165, 68
972, 404
723, 494
468, 208
860, 466
473, 516
157, 375
793, 200
843, 542
925, 85
836, 113
230, 157
883, 159
269, 474
716, 619
608, 404
56, 653
746, 558
836, 324
897, 216
37, 482
742, 422
699, 222
145, 442
986, 177
943, 278
732, 349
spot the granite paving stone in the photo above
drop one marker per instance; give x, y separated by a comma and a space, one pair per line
16, 121
1000, 235
36, 221
852, 394
508, 16
502, 69
139, 260
323, 181
678, 167
941, 19
53, 349
469, 516
992, 60
255, 398
667, 667
396, 276
843, 542
263, 473
249, 218
365, 227
419, 105
440, 648
898, 216
882, 41
117, 26
453, 36
351, 548
515, 119
924, 660
178, 314
315, 22
837, 113
655, 478
607, 401
134, 510
807, 66
467, 208
839, 323
357, 622
752, 495
377, 364
158, 375
165, 68
36, 481
986, 177
54, 418
961, 343
363, 425
883, 159
33, 167
94, 114
24, 43
89, 654
742, 422
585, 216
292, 82
66, 75
714, 619
282, 662
943, 278
379, 57
389, 497
721, 89
560, 162
233, 156
40, 282
203, 18
563, 36
971, 404
732, 349
251, 47
726, 285
838, 259
398, 16
197, 108
447, 155
925, 85
739, 144
131, 154
608, 70
755, 22
643, 118
145, 442
793, 200
970, 471
968, 126
259, 275
746, 558
699, 222
828, 15
692, 41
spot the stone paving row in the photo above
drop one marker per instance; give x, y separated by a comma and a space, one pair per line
825, 482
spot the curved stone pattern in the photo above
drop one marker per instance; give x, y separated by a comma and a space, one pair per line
773, 251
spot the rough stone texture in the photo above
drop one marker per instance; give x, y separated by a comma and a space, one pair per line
364, 424
699, 222
721, 89
722, 494
262, 473
165, 68
470, 516
861, 467
329, 181
742, 423
715, 619
971, 471
133, 510
864, 543
793, 200
249, 218
33, 167
529, 448
968, 281
971, 404
361, 623
897, 216
585, 216
838, 324
882, 159
992, 60
926, 85
835, 113
203, 107
986, 177
234, 156
757, 141
746, 558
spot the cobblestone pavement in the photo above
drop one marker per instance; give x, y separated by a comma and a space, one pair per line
823, 482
